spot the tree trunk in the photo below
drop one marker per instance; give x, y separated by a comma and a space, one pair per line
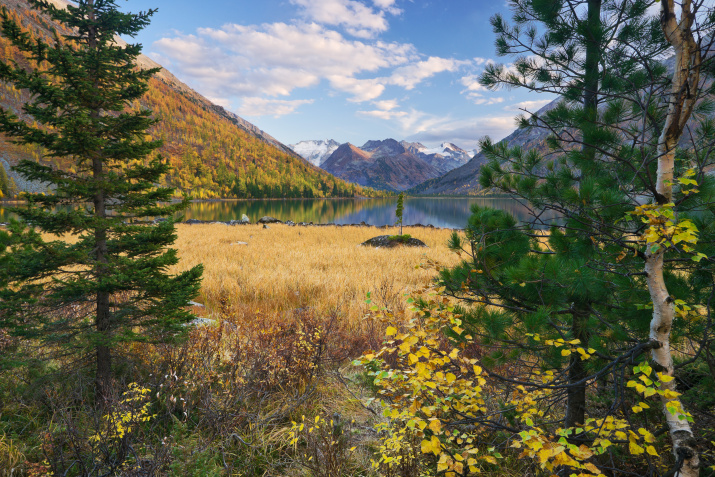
103, 378
576, 395
681, 102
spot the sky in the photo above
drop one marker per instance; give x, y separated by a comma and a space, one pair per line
348, 70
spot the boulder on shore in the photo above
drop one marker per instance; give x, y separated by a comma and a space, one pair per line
269, 220
390, 241
245, 219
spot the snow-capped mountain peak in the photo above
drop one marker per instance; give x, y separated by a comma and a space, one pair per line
315, 151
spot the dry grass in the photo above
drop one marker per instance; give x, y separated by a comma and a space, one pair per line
323, 268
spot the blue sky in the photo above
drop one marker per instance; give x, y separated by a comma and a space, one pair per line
349, 70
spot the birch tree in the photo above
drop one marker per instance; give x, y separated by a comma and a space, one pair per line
677, 24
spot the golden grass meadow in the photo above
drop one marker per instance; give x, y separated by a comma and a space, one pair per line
324, 268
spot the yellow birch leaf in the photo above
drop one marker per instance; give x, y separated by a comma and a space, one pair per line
664, 378
436, 446
635, 448
435, 425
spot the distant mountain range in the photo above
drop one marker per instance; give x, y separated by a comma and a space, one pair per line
464, 180
386, 164
213, 152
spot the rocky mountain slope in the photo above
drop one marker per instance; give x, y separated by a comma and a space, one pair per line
443, 158
384, 165
464, 180
214, 153
315, 151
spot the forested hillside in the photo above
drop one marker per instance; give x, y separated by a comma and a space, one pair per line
214, 154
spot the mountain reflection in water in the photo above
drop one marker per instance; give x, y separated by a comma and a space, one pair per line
451, 212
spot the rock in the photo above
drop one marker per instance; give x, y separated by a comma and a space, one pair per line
269, 220
290, 223
265, 226
159, 220
387, 241
240, 243
194, 221
245, 219
194, 303
201, 322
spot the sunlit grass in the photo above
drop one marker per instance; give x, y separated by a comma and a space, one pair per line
323, 268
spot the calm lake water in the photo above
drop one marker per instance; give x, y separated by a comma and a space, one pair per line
441, 212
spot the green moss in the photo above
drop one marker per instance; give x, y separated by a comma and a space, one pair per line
400, 238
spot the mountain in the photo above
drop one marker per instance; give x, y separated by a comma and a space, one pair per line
384, 165
443, 158
315, 151
464, 180
214, 153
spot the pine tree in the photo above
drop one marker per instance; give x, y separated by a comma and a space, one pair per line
584, 280
399, 210
4, 183
85, 297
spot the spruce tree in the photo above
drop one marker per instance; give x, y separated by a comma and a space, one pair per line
399, 210
583, 280
103, 282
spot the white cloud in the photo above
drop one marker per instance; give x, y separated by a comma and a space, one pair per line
382, 114
411, 75
476, 92
388, 6
386, 104
465, 132
473, 89
270, 107
531, 106
274, 59
361, 89
479, 100
357, 18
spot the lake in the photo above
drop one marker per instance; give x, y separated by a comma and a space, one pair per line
450, 212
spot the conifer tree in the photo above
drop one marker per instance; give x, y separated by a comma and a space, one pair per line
104, 282
584, 280
399, 209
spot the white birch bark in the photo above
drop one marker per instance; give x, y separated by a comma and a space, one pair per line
681, 102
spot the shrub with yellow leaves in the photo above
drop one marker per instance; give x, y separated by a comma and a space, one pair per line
132, 412
447, 414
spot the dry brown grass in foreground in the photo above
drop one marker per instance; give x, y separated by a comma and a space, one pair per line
322, 268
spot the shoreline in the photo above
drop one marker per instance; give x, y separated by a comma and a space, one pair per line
290, 223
